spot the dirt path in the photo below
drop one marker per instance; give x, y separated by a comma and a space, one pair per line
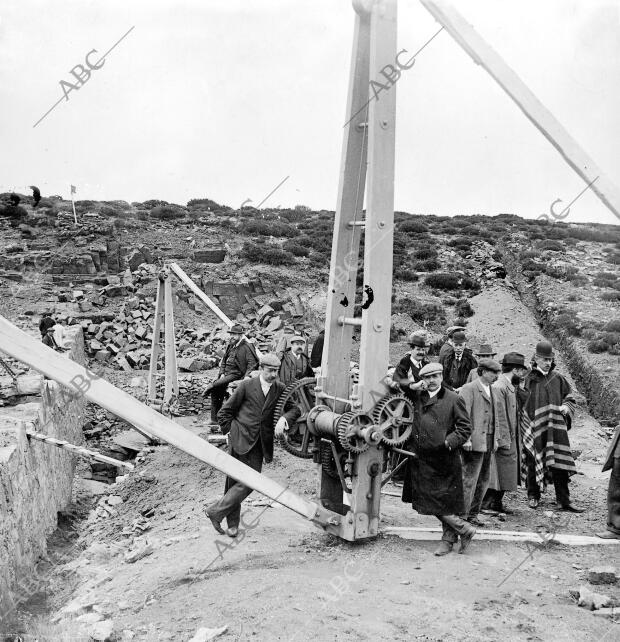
285, 580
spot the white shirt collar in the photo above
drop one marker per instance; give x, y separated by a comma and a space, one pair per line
434, 393
264, 385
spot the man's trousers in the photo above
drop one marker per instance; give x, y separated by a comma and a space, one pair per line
613, 499
453, 526
229, 506
476, 475
218, 392
560, 482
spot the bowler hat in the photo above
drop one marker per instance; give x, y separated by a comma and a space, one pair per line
430, 369
485, 349
513, 359
417, 340
459, 336
269, 359
544, 349
489, 364
236, 329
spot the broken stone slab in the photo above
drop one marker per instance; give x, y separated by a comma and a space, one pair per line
591, 600
215, 255
602, 575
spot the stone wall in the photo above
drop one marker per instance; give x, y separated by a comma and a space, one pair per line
35, 479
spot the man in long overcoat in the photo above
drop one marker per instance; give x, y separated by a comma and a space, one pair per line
238, 362
505, 462
434, 480
247, 417
479, 448
548, 416
612, 462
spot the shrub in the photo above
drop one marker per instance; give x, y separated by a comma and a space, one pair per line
420, 311
149, 205
268, 228
425, 252
612, 326
427, 266
412, 227
295, 248
318, 260
585, 234
552, 246
530, 254
561, 272
461, 242
166, 212
449, 230
464, 309
442, 281
613, 258
205, 203
610, 296
567, 322
407, 275
263, 253
597, 346
106, 210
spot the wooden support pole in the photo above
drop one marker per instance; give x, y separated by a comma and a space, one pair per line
155, 349
184, 278
548, 125
171, 386
150, 423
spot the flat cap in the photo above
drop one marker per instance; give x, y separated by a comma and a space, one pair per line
297, 339
513, 359
235, 329
431, 369
453, 328
489, 364
269, 359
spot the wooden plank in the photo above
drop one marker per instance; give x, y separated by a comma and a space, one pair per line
75, 377
433, 533
171, 385
346, 241
155, 349
182, 275
548, 125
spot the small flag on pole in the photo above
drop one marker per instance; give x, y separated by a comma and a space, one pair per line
73, 204
73, 189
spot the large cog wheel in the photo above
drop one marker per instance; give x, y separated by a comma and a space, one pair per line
394, 417
349, 427
296, 440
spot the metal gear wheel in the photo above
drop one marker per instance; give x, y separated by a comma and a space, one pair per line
394, 417
348, 426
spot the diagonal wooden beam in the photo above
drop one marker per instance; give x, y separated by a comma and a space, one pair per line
548, 125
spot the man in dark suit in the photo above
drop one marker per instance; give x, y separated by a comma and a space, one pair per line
459, 363
612, 462
247, 418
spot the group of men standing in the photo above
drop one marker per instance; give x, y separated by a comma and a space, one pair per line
481, 426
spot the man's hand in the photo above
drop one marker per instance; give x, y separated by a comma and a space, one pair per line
281, 427
467, 445
564, 409
420, 385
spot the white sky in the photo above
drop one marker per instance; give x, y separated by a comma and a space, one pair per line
225, 98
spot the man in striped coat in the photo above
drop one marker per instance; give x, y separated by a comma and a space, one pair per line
548, 413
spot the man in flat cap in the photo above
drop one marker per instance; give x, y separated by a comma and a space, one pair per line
295, 364
238, 362
484, 351
479, 448
447, 347
247, 418
612, 462
457, 364
505, 461
547, 418
434, 480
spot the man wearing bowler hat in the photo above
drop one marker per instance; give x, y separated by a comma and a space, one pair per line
547, 419
238, 361
407, 372
247, 418
447, 347
479, 448
433, 480
505, 461
457, 364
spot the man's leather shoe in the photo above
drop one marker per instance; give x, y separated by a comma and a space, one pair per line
216, 524
608, 535
476, 521
444, 548
466, 539
571, 508
532, 502
233, 531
